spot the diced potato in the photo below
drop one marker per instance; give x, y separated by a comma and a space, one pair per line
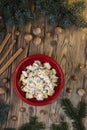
40, 97
47, 65
45, 95
50, 92
29, 96
54, 71
22, 77
25, 89
24, 73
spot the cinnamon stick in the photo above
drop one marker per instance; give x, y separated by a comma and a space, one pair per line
4, 42
6, 54
18, 52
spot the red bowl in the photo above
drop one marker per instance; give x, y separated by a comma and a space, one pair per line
29, 60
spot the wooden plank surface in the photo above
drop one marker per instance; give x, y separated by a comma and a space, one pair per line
68, 51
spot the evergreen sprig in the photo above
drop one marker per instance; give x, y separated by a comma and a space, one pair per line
76, 114
33, 125
61, 126
19, 12
82, 110
77, 7
59, 12
4, 109
9, 129
16, 12
69, 109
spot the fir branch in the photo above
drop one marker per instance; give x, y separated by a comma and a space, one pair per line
69, 109
78, 21
61, 126
77, 125
59, 12
82, 110
4, 109
33, 125
64, 126
77, 7
25, 127
76, 114
9, 129
16, 12
19, 12
54, 127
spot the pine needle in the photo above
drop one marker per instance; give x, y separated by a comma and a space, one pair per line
82, 110
69, 109
77, 7
60, 13
9, 129
76, 114
16, 12
77, 125
33, 125
61, 126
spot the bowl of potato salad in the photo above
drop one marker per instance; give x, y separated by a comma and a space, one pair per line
38, 80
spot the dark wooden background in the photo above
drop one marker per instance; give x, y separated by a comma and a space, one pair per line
69, 50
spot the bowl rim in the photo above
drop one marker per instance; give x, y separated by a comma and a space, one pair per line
27, 100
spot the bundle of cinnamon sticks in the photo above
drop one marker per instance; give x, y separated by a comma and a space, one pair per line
17, 53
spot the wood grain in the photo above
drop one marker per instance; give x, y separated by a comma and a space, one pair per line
69, 50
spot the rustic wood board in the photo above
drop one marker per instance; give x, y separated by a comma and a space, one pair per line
69, 51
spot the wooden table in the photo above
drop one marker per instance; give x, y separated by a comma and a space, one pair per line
69, 50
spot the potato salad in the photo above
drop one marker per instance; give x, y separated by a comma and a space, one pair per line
38, 80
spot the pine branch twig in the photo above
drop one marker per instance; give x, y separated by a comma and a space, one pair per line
82, 110
69, 109
33, 125
9, 129
76, 114
61, 126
